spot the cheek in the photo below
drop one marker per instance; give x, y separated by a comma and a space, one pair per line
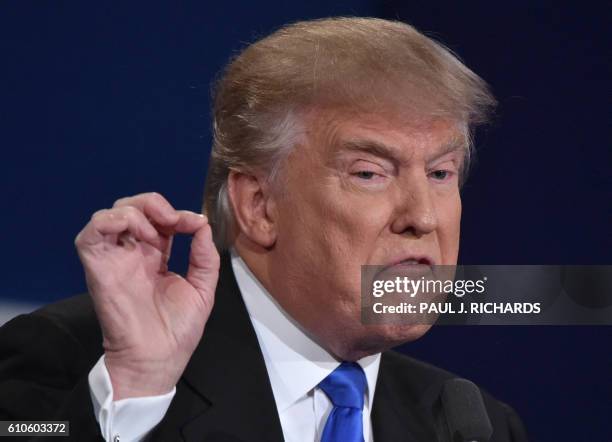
349, 236
449, 230
334, 234
351, 225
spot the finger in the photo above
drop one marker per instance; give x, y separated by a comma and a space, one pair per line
112, 222
203, 270
189, 222
140, 227
153, 205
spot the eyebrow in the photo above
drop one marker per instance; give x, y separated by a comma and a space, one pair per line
371, 147
391, 153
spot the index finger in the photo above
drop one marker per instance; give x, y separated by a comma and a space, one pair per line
154, 206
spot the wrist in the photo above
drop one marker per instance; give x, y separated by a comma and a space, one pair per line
131, 379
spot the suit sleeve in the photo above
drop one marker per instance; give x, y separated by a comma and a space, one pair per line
515, 424
43, 376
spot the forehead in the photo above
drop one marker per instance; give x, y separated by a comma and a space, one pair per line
338, 130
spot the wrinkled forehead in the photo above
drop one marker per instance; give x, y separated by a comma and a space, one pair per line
330, 130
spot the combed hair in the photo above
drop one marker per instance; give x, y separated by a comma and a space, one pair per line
363, 64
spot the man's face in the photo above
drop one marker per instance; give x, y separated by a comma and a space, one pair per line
363, 189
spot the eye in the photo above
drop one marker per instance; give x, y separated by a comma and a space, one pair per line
365, 174
440, 175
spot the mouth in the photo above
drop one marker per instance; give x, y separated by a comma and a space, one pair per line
410, 266
409, 261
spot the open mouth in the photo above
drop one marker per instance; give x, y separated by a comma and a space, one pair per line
413, 267
411, 262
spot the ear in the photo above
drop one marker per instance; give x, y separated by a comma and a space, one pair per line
253, 207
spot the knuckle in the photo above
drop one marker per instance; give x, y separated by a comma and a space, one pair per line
96, 222
99, 214
156, 198
121, 201
98, 217
130, 212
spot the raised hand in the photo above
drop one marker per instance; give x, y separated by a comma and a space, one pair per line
151, 319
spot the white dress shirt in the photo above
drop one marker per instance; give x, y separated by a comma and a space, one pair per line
296, 364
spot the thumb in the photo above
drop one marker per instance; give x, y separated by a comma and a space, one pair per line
203, 271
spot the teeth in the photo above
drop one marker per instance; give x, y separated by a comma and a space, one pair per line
410, 261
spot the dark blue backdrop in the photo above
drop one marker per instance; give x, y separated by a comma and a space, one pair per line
99, 101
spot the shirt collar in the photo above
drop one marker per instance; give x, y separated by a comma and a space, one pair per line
296, 364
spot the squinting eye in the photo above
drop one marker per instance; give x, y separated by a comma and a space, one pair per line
440, 174
365, 174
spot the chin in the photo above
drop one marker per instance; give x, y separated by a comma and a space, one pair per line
378, 338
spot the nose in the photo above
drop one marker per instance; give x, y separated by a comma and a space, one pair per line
415, 213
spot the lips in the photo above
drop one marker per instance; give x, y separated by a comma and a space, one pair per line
413, 266
411, 260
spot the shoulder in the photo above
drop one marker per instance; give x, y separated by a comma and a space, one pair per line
64, 331
421, 383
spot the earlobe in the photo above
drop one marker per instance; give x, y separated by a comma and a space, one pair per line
252, 205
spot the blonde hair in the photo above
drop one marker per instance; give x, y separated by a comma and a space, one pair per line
365, 64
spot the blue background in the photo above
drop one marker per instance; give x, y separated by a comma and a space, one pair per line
102, 100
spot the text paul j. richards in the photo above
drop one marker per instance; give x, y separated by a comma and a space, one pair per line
448, 308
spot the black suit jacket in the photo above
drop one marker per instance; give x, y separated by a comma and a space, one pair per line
224, 393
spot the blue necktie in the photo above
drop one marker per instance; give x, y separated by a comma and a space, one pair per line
345, 388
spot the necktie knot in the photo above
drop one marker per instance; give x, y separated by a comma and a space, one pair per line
345, 386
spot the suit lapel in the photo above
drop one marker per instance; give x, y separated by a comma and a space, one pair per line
399, 415
225, 393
